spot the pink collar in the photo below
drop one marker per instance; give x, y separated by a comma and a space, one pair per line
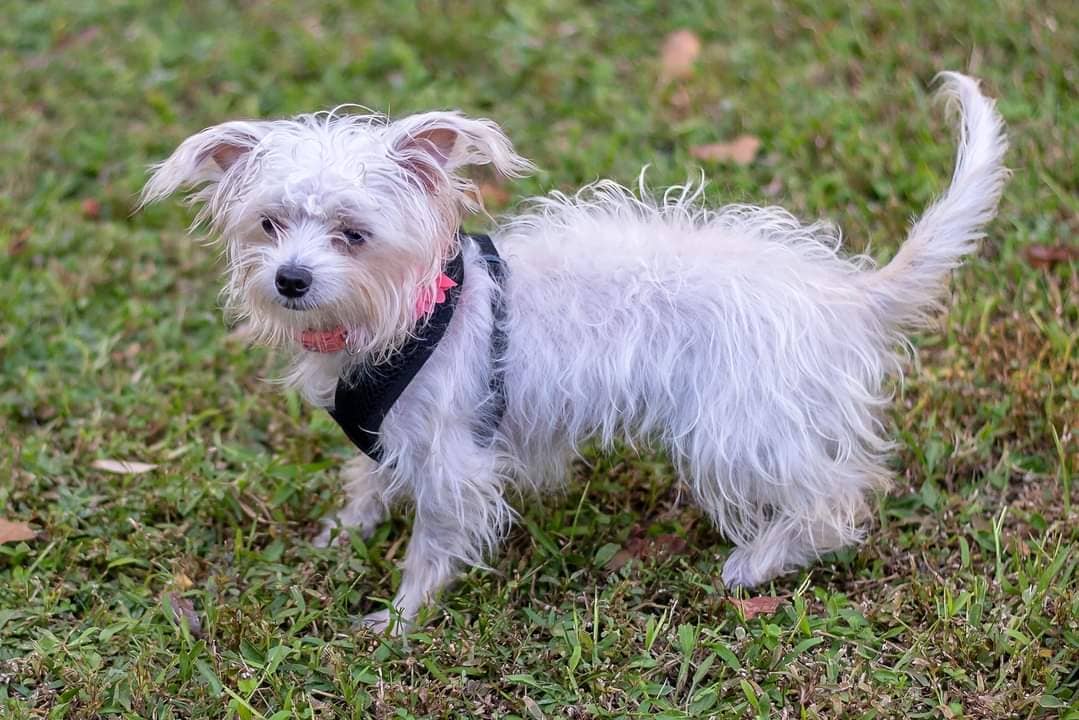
336, 340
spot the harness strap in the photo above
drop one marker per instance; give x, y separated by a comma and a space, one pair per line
495, 407
364, 398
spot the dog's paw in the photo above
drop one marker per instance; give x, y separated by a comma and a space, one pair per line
363, 525
740, 571
385, 622
379, 622
325, 536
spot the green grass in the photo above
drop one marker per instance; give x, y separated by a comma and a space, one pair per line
964, 602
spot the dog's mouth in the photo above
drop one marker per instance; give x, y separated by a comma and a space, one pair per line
296, 304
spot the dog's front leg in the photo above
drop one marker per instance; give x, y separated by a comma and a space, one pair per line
460, 514
365, 504
428, 567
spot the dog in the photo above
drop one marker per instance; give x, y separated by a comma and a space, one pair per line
739, 340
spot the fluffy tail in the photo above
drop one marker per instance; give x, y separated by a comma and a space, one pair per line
911, 285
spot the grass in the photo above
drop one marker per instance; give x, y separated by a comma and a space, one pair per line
964, 602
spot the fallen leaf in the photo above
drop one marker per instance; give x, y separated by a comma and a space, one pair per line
534, 709
1046, 256
774, 187
19, 243
680, 99
123, 467
638, 547
15, 531
680, 51
754, 606
44, 412
182, 581
80, 38
632, 549
669, 544
91, 209
494, 194
69, 41
741, 151
183, 610
313, 25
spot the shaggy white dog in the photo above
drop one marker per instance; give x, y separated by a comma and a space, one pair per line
738, 339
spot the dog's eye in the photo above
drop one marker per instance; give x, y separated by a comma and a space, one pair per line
269, 227
353, 237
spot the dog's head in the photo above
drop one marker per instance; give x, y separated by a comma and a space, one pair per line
333, 220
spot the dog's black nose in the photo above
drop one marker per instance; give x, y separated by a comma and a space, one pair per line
293, 281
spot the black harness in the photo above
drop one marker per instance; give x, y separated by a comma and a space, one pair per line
364, 398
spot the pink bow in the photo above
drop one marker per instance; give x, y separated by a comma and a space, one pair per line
427, 298
335, 340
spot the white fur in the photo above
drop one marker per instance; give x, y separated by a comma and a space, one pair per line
738, 339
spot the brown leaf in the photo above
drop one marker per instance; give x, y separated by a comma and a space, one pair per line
1046, 256
494, 194
680, 51
632, 549
774, 187
80, 38
638, 547
183, 610
91, 209
681, 99
754, 606
741, 151
19, 243
667, 545
534, 709
313, 25
66, 42
15, 531
122, 467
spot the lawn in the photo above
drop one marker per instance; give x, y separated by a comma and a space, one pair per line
191, 590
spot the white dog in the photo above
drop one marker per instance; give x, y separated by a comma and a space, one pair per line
737, 339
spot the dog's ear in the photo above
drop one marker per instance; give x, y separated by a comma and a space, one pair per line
433, 145
203, 158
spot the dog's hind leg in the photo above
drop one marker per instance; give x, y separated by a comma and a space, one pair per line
787, 542
365, 506
781, 547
